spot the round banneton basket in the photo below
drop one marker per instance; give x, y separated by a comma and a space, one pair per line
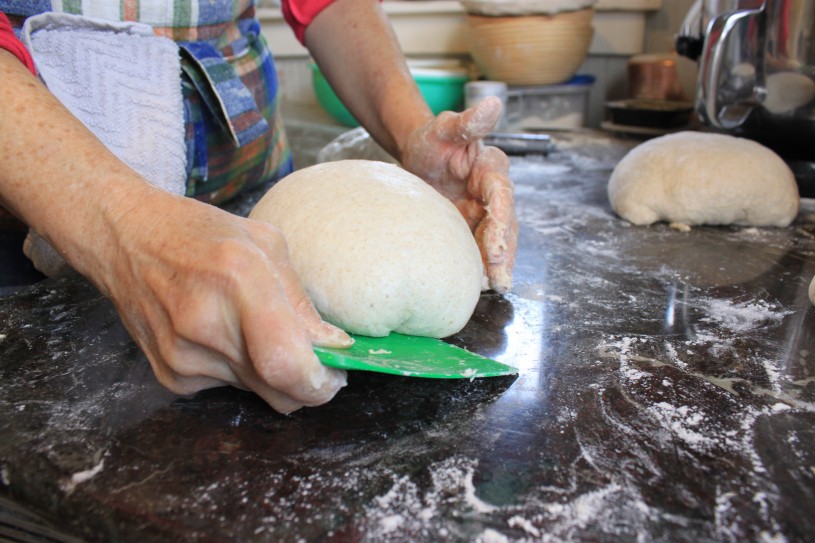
529, 43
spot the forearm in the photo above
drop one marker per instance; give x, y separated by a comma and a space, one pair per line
55, 174
355, 47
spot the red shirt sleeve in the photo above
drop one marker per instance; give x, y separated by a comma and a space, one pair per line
9, 42
300, 13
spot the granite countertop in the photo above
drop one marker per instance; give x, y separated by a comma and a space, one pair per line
665, 393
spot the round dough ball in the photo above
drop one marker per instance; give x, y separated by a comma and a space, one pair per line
700, 178
787, 91
376, 248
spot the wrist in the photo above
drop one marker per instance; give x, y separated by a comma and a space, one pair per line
127, 215
406, 129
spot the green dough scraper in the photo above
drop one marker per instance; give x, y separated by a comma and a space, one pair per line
412, 356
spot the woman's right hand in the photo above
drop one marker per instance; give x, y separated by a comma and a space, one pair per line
212, 299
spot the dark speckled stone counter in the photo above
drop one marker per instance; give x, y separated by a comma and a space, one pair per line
665, 393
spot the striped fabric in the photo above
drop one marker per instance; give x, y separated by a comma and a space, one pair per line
235, 136
235, 148
181, 20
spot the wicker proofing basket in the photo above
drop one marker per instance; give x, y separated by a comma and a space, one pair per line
530, 49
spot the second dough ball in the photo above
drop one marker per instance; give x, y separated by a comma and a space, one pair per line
700, 178
376, 248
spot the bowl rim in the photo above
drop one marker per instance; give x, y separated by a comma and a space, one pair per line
433, 74
422, 74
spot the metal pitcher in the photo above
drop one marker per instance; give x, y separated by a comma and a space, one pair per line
757, 72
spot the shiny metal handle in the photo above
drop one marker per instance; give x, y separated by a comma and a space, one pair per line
712, 62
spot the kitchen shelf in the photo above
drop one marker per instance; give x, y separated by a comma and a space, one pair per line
439, 28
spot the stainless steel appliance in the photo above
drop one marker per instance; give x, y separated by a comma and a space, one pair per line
757, 73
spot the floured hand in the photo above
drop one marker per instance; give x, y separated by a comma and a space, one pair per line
212, 299
448, 153
209, 297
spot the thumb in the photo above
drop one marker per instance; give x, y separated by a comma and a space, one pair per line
474, 123
322, 333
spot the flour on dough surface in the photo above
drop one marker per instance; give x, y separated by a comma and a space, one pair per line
700, 178
376, 248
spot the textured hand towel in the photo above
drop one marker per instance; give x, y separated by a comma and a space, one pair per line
123, 83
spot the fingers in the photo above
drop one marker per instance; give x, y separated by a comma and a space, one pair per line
239, 317
497, 233
279, 326
281, 361
322, 333
498, 244
488, 202
191, 367
195, 368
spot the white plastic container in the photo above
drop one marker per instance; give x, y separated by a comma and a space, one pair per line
475, 91
543, 107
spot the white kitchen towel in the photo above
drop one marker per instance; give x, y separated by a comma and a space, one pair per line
123, 82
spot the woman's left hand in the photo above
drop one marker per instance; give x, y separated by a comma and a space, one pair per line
448, 153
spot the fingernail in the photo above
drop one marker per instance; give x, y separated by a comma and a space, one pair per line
328, 335
327, 379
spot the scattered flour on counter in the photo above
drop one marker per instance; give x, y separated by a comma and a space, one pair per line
735, 319
751, 231
603, 507
689, 424
684, 423
718, 345
378, 351
82, 476
537, 168
630, 373
774, 375
743, 317
470, 497
404, 507
586, 152
491, 536
600, 249
554, 202
524, 524
622, 350
417, 507
391, 523
592, 163
673, 355
566, 218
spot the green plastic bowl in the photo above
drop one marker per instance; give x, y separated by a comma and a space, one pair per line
442, 89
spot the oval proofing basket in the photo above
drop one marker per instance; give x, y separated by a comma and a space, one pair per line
530, 49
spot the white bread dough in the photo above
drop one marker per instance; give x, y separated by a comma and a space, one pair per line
377, 248
699, 178
787, 91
